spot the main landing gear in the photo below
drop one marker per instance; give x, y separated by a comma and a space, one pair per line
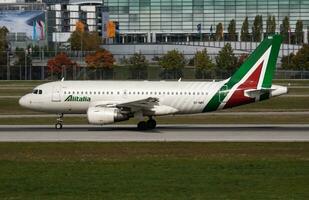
147, 125
58, 125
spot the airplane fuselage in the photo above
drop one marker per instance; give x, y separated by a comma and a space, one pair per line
107, 102
75, 97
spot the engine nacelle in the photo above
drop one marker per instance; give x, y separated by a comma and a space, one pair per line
102, 115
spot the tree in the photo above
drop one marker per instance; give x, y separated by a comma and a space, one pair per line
287, 62
3, 51
226, 60
271, 25
61, 66
203, 64
232, 31
219, 32
257, 29
299, 32
172, 62
102, 61
242, 58
244, 36
85, 41
138, 66
285, 29
299, 61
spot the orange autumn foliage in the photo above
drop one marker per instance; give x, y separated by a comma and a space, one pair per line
101, 59
80, 26
59, 63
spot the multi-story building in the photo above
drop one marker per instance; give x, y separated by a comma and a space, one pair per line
63, 16
167, 20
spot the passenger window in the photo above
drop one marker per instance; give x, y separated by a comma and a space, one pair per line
65, 92
112, 93
73, 92
40, 92
77, 92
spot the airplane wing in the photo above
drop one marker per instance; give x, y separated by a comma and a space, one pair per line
143, 103
146, 104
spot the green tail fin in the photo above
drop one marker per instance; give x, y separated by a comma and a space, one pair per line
266, 54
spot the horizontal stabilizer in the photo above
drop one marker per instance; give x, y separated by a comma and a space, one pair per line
254, 93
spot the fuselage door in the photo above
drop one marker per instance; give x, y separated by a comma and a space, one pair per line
222, 94
56, 96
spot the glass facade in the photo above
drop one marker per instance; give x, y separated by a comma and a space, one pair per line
183, 16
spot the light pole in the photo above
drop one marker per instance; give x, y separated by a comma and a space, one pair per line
26, 54
8, 65
30, 65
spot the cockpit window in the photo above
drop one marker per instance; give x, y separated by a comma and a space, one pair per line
37, 92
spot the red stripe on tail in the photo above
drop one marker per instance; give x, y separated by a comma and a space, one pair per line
239, 98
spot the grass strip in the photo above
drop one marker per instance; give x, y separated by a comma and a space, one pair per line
154, 171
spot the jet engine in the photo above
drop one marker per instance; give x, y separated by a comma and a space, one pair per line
102, 115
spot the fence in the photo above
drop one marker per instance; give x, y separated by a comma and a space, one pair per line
125, 73
33, 66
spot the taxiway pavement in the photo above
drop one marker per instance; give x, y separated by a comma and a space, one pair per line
163, 133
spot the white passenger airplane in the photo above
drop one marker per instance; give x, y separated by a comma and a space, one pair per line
107, 102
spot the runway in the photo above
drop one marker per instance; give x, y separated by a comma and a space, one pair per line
164, 133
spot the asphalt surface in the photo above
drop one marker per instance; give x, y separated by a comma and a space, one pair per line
163, 133
221, 113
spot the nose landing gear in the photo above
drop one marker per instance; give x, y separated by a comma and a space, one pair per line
58, 125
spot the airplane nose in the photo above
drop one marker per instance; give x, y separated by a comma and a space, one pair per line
23, 102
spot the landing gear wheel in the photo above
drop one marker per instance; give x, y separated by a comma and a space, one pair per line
142, 126
151, 124
58, 125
